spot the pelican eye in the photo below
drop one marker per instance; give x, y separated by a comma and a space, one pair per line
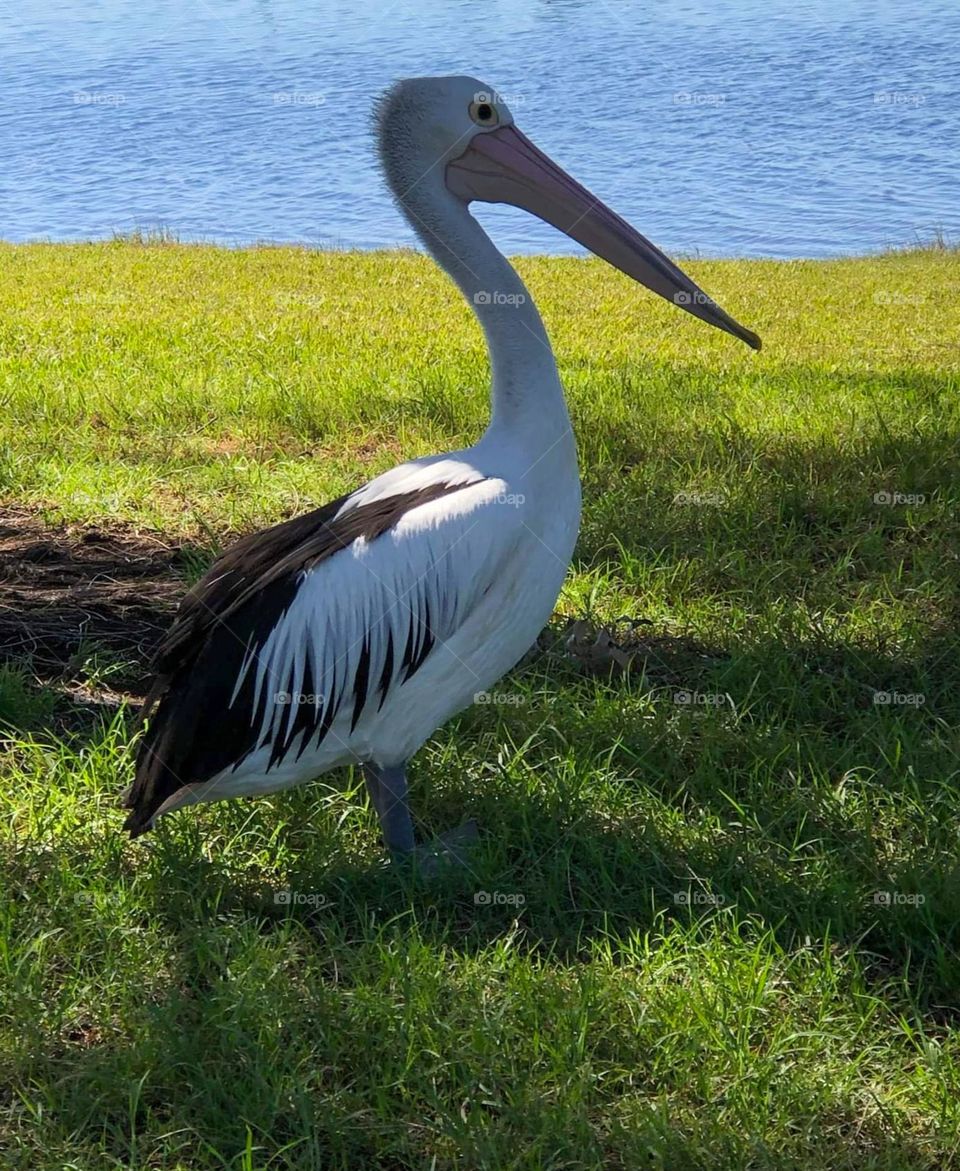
484, 112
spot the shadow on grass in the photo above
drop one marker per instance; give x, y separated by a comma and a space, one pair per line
762, 504
225, 1047
811, 707
780, 819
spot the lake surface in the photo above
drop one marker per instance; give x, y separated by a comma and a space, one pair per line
739, 128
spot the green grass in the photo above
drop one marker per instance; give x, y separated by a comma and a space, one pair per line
691, 970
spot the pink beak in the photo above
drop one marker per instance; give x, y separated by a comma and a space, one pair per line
503, 166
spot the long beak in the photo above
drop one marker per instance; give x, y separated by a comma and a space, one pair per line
503, 166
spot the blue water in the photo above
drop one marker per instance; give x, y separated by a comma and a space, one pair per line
740, 127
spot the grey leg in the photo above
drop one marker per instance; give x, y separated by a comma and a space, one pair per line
387, 786
371, 774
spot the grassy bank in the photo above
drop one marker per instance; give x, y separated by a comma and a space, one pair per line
724, 895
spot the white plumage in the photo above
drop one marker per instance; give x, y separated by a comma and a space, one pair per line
487, 560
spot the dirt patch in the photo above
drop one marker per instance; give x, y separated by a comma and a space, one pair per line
68, 591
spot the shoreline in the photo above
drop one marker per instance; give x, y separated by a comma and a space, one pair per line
937, 245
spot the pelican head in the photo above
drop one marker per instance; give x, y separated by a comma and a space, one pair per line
459, 132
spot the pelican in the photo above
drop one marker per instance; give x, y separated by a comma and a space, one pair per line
350, 634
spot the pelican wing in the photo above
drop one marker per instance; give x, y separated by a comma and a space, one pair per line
320, 617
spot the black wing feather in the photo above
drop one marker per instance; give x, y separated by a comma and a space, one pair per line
197, 725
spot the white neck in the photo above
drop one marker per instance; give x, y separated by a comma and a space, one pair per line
526, 391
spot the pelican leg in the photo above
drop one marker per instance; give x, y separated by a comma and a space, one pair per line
387, 786
371, 774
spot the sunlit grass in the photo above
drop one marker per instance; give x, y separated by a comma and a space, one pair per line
684, 961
